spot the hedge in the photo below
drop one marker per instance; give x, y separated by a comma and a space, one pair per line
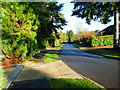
102, 40
3, 80
98, 40
19, 31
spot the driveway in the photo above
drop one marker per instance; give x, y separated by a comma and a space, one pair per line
100, 69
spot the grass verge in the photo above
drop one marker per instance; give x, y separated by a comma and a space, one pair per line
57, 47
106, 53
73, 83
51, 56
81, 47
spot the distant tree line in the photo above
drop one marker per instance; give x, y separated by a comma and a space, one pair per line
101, 11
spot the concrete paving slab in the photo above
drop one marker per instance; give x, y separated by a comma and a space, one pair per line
8, 71
29, 74
56, 69
33, 76
39, 83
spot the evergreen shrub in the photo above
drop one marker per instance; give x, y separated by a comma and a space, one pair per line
19, 30
98, 40
3, 80
101, 40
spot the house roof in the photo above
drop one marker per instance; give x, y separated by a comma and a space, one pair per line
107, 31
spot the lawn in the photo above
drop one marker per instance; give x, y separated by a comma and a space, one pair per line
81, 47
74, 83
107, 51
104, 52
51, 56
56, 47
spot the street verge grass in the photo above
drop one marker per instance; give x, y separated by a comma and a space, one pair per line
73, 83
56, 47
81, 47
106, 51
51, 56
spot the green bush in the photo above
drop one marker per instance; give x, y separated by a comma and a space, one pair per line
57, 42
19, 30
65, 41
85, 41
3, 80
42, 40
98, 40
28, 27
101, 40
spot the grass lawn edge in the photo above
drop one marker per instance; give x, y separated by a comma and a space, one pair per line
103, 55
84, 49
77, 78
51, 56
95, 83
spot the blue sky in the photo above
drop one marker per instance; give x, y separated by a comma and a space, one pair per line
74, 22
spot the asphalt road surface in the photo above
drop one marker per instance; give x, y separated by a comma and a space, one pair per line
100, 69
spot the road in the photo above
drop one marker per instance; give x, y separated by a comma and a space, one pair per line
100, 69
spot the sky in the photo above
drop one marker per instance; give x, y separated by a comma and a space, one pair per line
74, 23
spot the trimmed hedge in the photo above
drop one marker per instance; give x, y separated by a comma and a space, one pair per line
98, 41
102, 40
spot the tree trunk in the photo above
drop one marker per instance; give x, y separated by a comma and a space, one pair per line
116, 34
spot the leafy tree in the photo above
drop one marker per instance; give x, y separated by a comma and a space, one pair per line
63, 36
51, 19
84, 34
28, 26
101, 11
70, 35
19, 30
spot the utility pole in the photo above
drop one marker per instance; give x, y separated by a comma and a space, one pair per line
116, 25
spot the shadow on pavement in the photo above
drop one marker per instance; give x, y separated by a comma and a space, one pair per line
76, 53
38, 83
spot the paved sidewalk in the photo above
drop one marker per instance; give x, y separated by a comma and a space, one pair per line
38, 83
36, 74
56, 69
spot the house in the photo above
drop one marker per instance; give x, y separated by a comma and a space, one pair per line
107, 31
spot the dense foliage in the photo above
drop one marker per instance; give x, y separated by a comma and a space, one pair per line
101, 11
28, 27
3, 80
83, 35
19, 30
98, 40
63, 37
70, 35
102, 40
51, 20
95, 10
